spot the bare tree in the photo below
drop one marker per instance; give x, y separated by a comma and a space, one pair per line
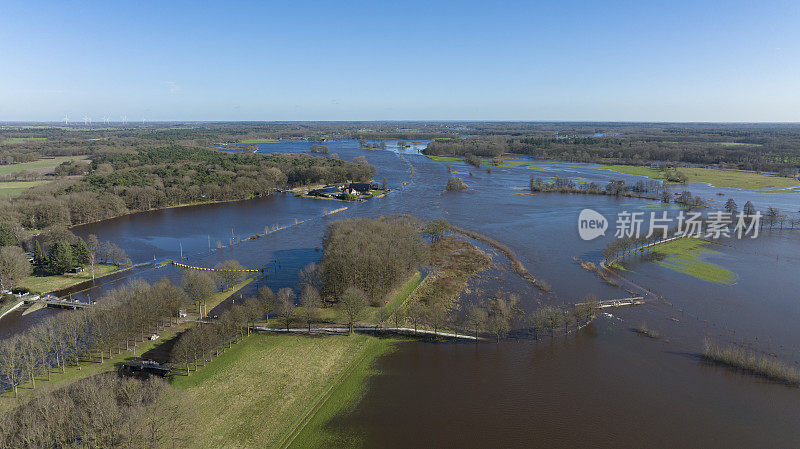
199, 285
501, 312
585, 311
353, 302
254, 311
229, 273
10, 361
284, 306
436, 315
416, 314
477, 318
14, 266
310, 303
267, 296
311, 275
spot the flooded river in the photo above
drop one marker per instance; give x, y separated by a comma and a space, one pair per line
606, 385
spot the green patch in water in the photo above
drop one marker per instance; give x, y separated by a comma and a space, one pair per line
656, 206
511, 163
619, 265
445, 158
686, 256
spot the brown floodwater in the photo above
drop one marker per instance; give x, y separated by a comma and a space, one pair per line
605, 386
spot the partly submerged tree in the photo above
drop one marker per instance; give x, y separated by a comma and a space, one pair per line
436, 229
501, 311
229, 273
199, 285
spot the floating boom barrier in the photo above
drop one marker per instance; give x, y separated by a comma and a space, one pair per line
211, 269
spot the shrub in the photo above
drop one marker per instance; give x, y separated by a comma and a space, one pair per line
455, 184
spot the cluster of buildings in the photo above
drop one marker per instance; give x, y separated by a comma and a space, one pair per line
343, 191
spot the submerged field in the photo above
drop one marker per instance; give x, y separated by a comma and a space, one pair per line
686, 256
280, 390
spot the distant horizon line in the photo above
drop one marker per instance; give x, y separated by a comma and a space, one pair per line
77, 123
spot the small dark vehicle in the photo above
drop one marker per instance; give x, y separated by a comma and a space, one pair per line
144, 368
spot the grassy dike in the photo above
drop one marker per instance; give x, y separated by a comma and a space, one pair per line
280, 390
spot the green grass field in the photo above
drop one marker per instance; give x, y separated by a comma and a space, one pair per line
509, 163
46, 284
18, 140
736, 144
13, 189
686, 256
445, 158
258, 140
540, 167
44, 163
738, 179
345, 394
399, 297
271, 388
794, 190
636, 170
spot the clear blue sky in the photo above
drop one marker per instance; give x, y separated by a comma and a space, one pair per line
372, 60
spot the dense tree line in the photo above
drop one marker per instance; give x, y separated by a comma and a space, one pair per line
100, 411
746, 146
55, 252
616, 187
777, 155
145, 179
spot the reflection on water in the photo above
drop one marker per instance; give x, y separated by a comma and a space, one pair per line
607, 386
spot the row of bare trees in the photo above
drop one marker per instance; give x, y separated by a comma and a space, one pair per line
496, 316
125, 316
200, 343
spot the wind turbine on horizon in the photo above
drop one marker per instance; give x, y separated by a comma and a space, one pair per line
66, 119
124, 119
87, 120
